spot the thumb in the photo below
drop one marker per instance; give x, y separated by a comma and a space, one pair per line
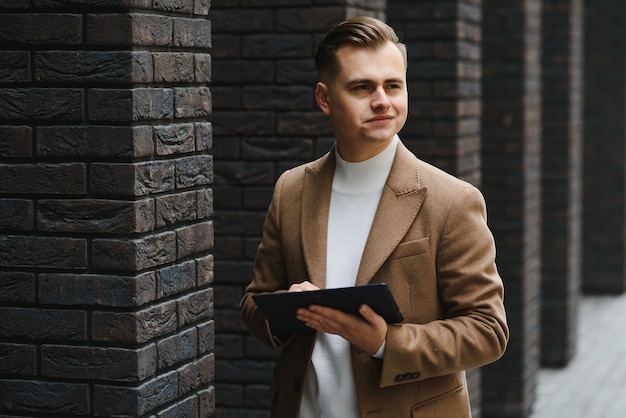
369, 315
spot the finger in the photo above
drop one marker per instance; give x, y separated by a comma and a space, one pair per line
302, 287
369, 315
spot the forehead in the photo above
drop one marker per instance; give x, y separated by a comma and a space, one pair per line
355, 62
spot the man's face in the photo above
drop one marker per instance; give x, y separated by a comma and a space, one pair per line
367, 99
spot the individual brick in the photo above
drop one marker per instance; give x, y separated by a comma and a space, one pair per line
239, 71
206, 337
18, 359
96, 216
201, 7
63, 178
103, 216
194, 171
43, 324
43, 252
15, 66
135, 401
308, 19
174, 139
51, 398
15, 141
187, 407
94, 141
202, 68
205, 270
191, 33
121, 105
134, 327
311, 123
138, 179
205, 203
16, 215
203, 132
176, 208
243, 21
196, 374
178, 348
176, 279
128, 29
278, 97
206, 399
173, 67
174, 6
277, 45
21, 104
97, 290
194, 239
99, 363
40, 29
134, 254
192, 102
17, 287
195, 307
94, 66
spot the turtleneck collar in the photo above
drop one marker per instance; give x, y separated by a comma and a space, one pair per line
367, 176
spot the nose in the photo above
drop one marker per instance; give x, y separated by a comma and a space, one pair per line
380, 99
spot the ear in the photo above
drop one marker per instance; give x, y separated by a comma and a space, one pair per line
321, 96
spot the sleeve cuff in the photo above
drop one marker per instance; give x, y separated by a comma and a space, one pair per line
381, 351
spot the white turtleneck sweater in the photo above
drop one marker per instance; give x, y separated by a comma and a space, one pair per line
329, 390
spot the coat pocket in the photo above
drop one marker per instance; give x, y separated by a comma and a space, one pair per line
410, 248
452, 404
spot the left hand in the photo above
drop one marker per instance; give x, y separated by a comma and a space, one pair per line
366, 332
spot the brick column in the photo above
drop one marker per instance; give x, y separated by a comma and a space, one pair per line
105, 209
561, 178
265, 121
512, 187
444, 40
604, 219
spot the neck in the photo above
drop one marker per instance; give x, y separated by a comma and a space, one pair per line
360, 153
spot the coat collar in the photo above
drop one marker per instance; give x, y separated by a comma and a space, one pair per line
399, 204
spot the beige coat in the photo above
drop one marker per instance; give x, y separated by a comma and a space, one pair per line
430, 243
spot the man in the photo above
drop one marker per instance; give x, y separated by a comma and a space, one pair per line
369, 211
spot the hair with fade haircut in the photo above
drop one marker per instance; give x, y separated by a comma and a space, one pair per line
359, 31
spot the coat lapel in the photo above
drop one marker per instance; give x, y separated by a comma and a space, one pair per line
318, 180
400, 202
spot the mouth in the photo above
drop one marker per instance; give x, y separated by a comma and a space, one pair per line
380, 118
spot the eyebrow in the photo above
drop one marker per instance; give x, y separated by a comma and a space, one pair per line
369, 81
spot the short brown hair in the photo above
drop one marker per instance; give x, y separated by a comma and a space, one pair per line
360, 31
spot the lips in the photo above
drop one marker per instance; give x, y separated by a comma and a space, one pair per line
380, 118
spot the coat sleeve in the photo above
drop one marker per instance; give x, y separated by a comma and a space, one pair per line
269, 274
472, 330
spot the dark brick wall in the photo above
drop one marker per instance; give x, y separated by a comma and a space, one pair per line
562, 69
604, 214
511, 157
106, 298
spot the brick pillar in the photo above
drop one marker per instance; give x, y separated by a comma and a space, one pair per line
105, 209
443, 40
604, 220
265, 121
561, 178
512, 186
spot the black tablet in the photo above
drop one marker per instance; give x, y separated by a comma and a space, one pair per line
280, 308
